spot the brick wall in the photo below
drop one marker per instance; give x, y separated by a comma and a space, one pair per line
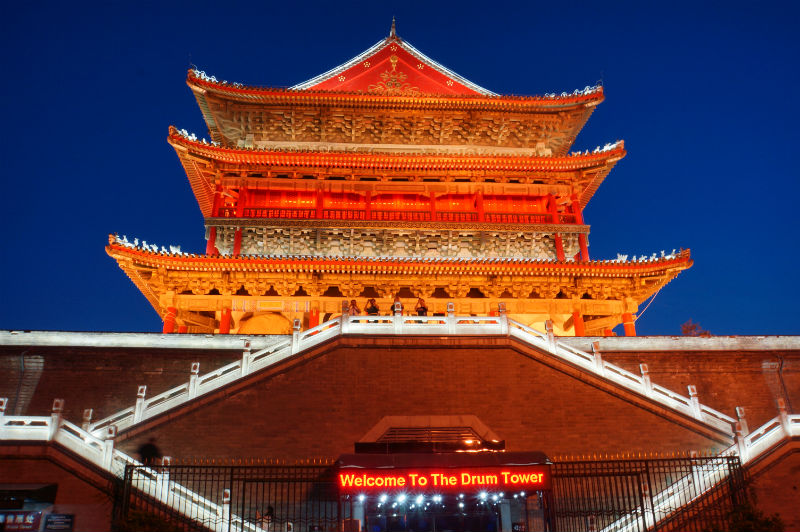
777, 488
322, 406
104, 379
724, 380
80, 491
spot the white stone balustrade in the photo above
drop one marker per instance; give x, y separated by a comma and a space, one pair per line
398, 324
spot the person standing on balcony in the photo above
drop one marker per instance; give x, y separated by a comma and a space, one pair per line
421, 307
372, 307
353, 310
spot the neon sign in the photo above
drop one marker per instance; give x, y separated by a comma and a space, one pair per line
492, 478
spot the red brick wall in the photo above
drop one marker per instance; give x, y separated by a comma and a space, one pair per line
106, 379
103, 379
724, 380
76, 495
320, 408
778, 489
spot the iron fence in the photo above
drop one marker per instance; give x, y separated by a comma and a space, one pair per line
687, 494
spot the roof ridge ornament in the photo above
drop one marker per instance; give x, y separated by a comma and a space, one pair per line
393, 31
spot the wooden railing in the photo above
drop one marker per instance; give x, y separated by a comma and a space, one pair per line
397, 215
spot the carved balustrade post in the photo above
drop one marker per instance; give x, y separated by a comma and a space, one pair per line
56, 415
87, 419
246, 358
740, 415
194, 379
741, 443
501, 311
598, 358
784, 417
648, 385
108, 446
398, 317
138, 410
551, 338
345, 325
698, 414
295, 336
451, 317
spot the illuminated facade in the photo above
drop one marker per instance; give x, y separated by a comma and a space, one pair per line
391, 176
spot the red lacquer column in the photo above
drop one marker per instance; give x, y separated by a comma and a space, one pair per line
479, 206
237, 241
582, 242
313, 318
225, 321
240, 205
627, 322
553, 209
169, 320
211, 243
320, 203
183, 329
577, 321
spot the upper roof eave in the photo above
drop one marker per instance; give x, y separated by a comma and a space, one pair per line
186, 261
575, 161
200, 83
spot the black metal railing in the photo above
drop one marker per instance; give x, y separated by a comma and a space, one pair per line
687, 494
638, 495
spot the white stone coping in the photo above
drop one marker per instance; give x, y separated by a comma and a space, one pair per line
225, 342
235, 341
685, 343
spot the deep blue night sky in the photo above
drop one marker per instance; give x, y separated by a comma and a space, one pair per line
705, 97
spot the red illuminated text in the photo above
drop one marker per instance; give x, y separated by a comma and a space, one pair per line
500, 478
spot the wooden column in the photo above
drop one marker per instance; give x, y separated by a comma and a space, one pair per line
313, 318
577, 321
582, 241
320, 203
433, 206
479, 206
211, 243
183, 329
630, 326
237, 241
241, 203
553, 210
225, 321
368, 205
559, 247
169, 320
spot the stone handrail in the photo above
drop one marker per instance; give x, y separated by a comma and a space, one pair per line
398, 324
